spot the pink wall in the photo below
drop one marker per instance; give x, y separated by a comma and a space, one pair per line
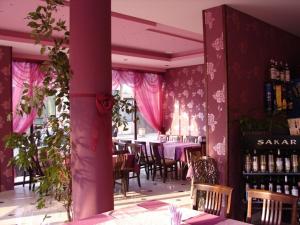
251, 44
184, 104
238, 49
215, 58
6, 173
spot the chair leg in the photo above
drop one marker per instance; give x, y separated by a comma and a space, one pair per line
192, 188
147, 171
176, 172
24, 177
138, 179
154, 172
165, 174
160, 171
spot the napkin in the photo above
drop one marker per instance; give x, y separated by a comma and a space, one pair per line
175, 215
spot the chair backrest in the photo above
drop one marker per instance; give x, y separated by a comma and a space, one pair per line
118, 165
205, 170
136, 150
215, 196
178, 138
272, 206
194, 153
193, 139
125, 141
120, 146
157, 151
144, 152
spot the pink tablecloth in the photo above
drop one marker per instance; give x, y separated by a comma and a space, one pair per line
145, 214
175, 150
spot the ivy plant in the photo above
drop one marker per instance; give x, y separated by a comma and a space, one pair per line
46, 152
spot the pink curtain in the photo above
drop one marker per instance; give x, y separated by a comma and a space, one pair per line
148, 94
23, 72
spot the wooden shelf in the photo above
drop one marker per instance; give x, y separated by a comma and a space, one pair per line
270, 174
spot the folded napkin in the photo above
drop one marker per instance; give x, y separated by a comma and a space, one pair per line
152, 204
175, 215
204, 219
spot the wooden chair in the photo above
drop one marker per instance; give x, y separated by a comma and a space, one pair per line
118, 172
193, 153
272, 206
215, 196
146, 159
204, 171
160, 163
134, 166
193, 139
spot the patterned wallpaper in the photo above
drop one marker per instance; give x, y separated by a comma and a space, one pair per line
251, 44
236, 70
216, 88
6, 173
184, 105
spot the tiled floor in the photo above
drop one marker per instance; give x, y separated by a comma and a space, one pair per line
18, 206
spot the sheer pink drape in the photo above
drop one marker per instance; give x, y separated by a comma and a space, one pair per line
23, 72
148, 94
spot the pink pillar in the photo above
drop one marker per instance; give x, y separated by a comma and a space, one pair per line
90, 52
6, 173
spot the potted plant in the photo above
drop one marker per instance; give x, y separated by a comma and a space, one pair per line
50, 156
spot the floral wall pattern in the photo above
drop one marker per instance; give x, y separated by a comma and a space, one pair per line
216, 88
184, 105
236, 72
6, 173
251, 44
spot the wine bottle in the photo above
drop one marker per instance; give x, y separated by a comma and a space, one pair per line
278, 94
269, 97
254, 184
286, 186
295, 191
271, 161
247, 187
287, 163
247, 162
271, 185
255, 161
278, 185
287, 73
263, 163
281, 72
295, 162
262, 184
273, 72
279, 162
277, 76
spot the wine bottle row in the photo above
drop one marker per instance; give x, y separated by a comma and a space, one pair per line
286, 185
278, 94
272, 162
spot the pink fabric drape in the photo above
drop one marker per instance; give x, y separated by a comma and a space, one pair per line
148, 94
23, 72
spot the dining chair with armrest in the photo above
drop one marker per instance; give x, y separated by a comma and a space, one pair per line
272, 206
215, 196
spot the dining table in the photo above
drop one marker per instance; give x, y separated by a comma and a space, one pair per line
174, 149
155, 212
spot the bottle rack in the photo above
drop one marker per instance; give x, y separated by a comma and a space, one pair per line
264, 144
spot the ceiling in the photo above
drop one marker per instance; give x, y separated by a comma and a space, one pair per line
152, 35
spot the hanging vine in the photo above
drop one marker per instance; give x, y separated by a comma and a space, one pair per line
47, 157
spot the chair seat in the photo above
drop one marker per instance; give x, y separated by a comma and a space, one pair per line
170, 162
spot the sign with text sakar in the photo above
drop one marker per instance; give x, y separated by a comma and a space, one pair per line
271, 142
